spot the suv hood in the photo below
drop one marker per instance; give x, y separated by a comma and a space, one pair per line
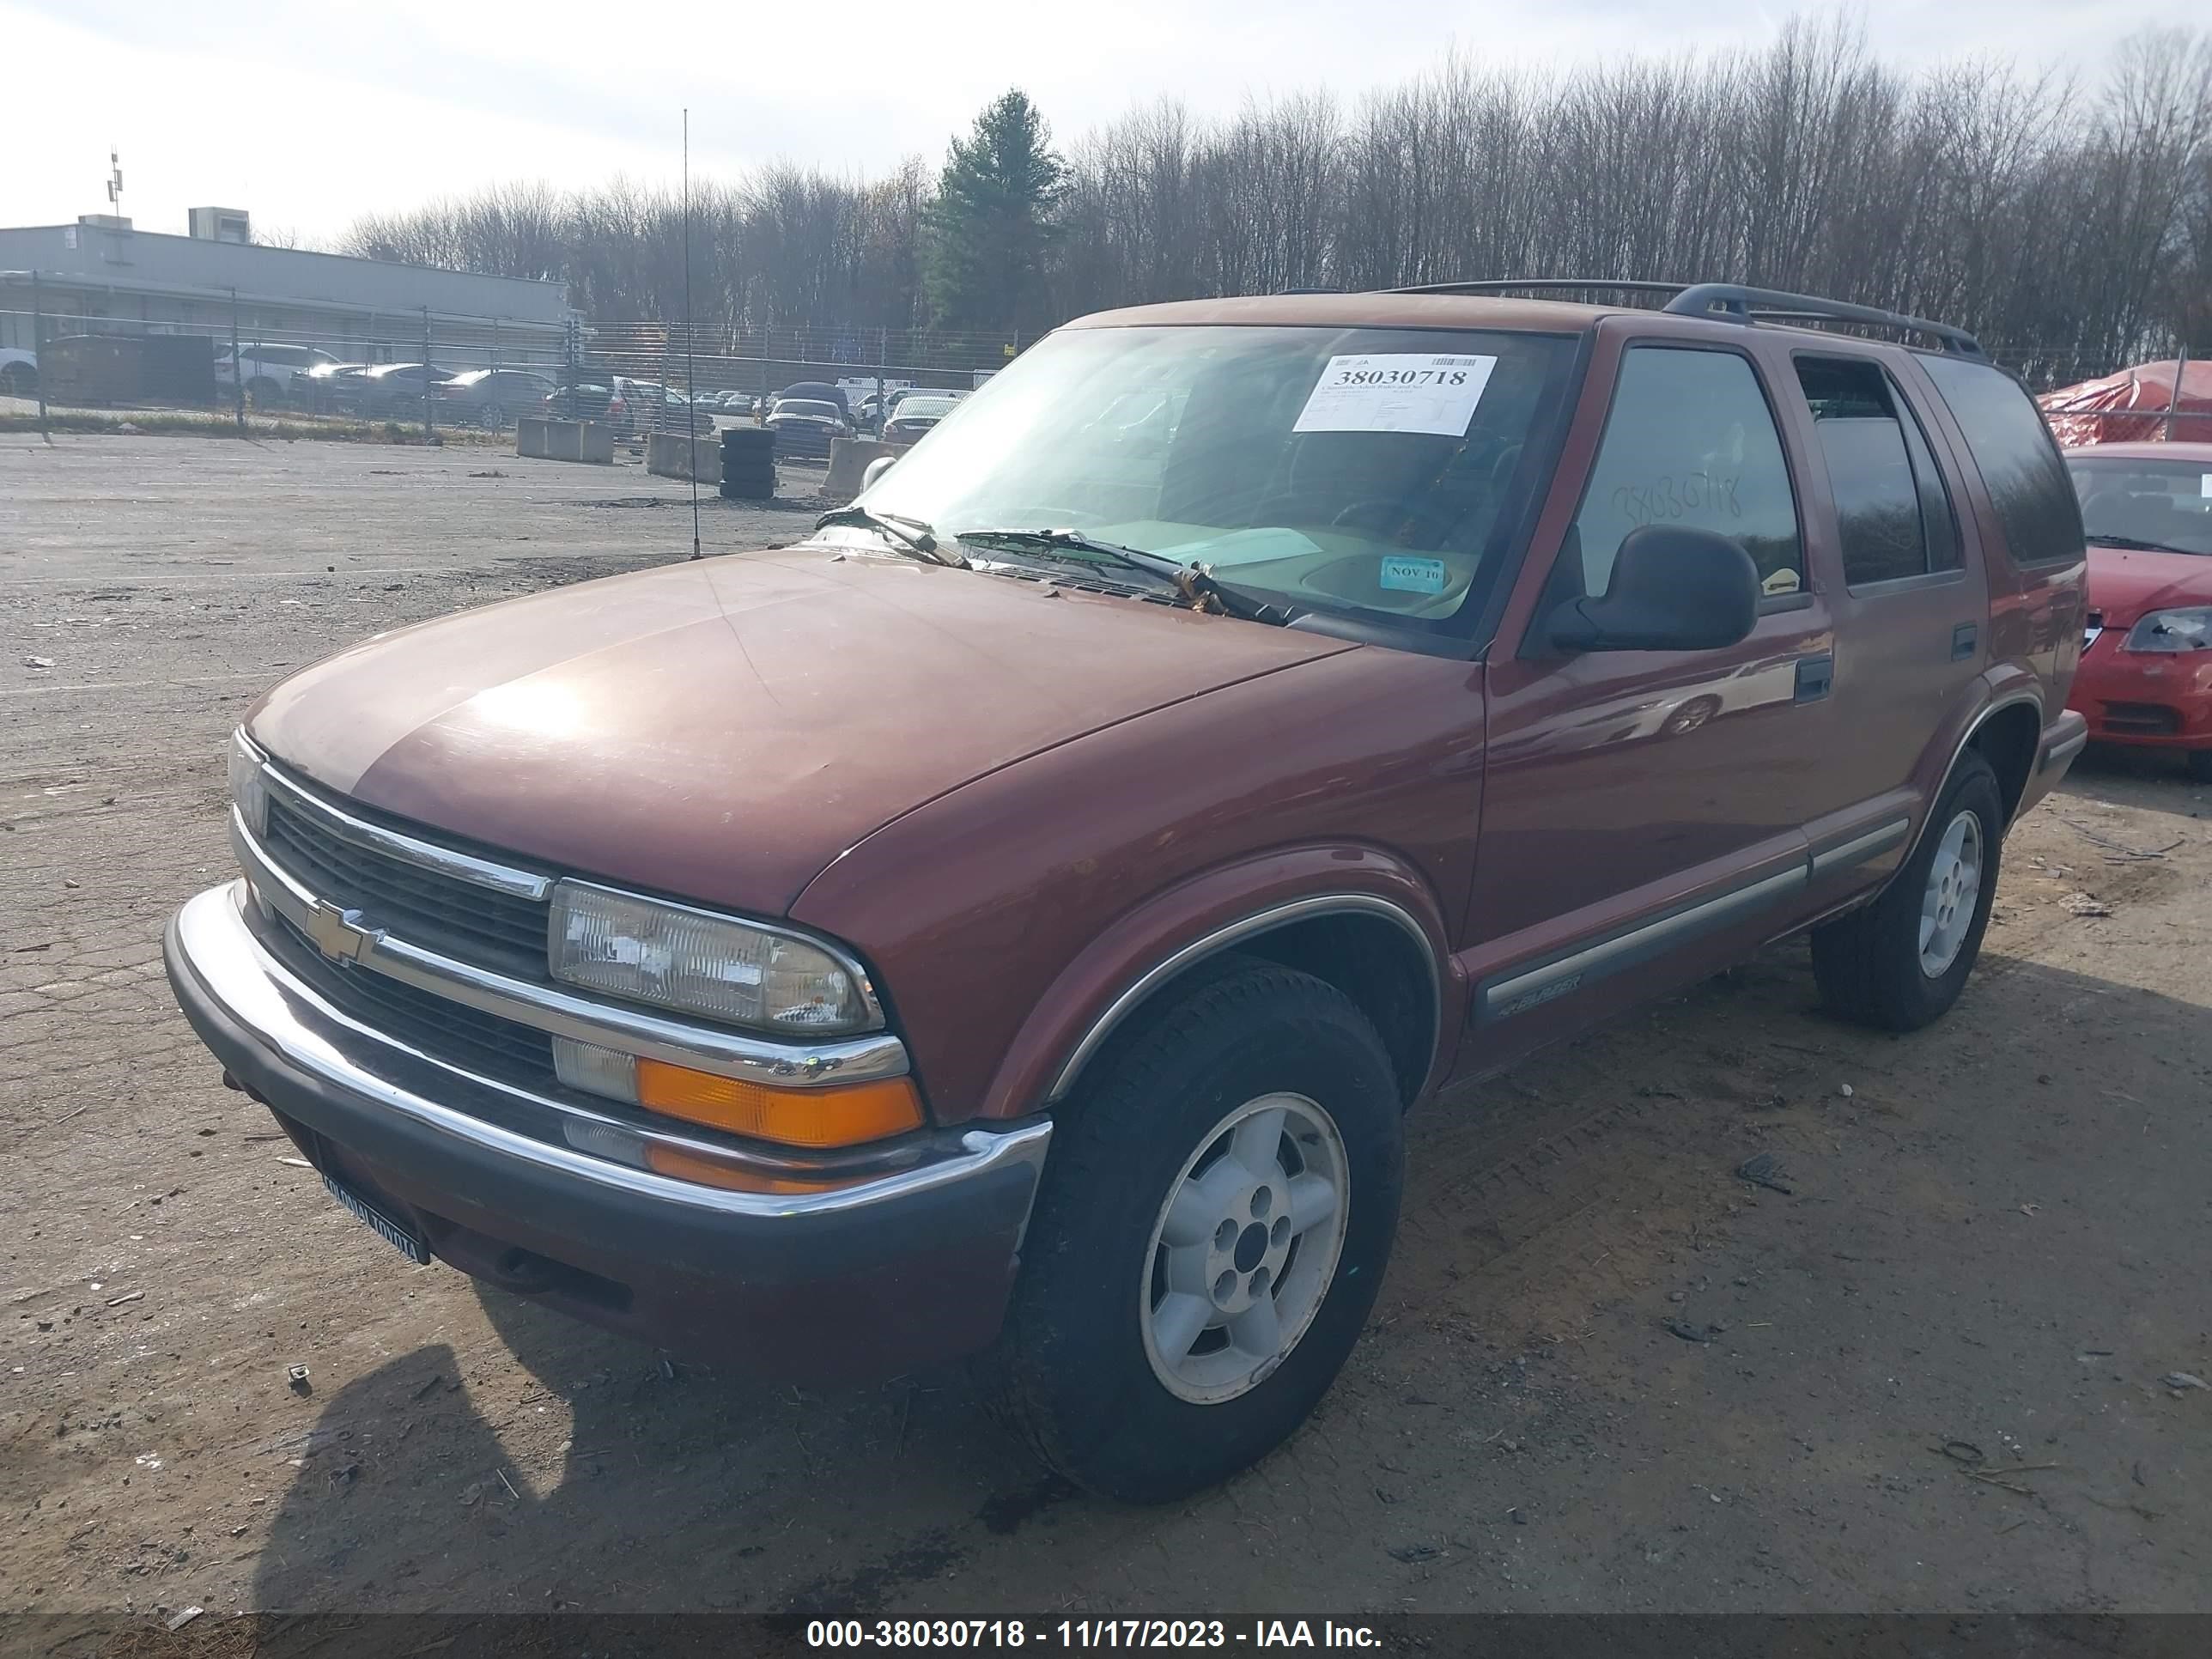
2126, 583
722, 731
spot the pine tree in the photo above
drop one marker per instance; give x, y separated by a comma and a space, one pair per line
994, 220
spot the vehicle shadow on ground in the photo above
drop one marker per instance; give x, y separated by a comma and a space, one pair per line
683, 1489
419, 1492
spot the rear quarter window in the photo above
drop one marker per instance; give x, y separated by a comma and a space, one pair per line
2017, 458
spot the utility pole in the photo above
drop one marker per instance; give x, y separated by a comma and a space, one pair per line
430, 426
2180, 369
237, 367
38, 352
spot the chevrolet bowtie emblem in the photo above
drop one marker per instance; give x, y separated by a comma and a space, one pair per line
337, 934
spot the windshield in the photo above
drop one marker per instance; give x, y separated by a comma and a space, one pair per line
912, 406
800, 406
2155, 503
1378, 474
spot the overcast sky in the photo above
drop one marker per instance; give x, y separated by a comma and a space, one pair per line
306, 115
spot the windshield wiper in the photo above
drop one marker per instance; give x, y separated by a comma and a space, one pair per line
913, 536
1193, 581
2134, 544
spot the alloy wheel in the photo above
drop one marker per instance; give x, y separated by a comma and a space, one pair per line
1244, 1248
1947, 907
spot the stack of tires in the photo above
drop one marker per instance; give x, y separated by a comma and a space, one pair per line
748, 464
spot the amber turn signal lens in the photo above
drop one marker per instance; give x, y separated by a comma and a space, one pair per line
712, 1172
797, 1117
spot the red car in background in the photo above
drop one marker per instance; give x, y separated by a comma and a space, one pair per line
2146, 672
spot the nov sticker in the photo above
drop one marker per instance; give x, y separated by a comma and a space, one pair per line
1409, 576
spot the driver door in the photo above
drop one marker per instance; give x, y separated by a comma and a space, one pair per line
1644, 810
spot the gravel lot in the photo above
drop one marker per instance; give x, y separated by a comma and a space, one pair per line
1995, 1240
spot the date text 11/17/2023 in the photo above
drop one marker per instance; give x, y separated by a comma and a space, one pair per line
1083, 1633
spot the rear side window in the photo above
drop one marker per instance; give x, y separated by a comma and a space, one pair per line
1893, 512
1690, 441
2017, 459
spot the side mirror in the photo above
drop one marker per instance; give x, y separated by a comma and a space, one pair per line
1673, 588
877, 468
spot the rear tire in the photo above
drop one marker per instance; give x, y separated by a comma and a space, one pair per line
1139, 1359
1901, 962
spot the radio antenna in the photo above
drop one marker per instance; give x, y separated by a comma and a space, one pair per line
691, 388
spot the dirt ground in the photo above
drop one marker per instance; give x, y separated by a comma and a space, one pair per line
1933, 1372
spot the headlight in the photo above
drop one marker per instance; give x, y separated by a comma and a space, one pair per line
247, 792
689, 960
2173, 630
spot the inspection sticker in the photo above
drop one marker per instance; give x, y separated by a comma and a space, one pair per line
1410, 575
1396, 392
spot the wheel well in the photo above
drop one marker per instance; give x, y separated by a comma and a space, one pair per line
2008, 740
1377, 965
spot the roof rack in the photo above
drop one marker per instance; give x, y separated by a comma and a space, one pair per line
1729, 302
1732, 302
1512, 284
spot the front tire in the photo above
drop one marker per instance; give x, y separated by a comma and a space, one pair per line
1901, 962
1212, 1228
1210, 1234
2199, 762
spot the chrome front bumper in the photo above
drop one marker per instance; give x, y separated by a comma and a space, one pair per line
213, 941
912, 1245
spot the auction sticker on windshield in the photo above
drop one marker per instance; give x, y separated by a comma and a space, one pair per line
1396, 392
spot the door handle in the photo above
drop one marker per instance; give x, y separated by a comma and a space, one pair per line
1963, 640
1814, 676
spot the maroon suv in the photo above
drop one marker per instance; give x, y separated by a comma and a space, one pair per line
1016, 921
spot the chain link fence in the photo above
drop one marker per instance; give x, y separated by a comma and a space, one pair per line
430, 373
427, 374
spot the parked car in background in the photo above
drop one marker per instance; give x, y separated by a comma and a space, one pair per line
817, 391
274, 375
585, 401
892, 402
387, 391
1018, 919
805, 427
738, 403
642, 407
319, 385
2146, 674
912, 417
492, 397
19, 372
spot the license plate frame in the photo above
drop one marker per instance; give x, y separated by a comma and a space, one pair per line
392, 1232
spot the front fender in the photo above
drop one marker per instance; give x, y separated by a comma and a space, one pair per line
1216, 910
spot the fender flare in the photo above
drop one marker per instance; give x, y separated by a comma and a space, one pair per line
2010, 700
1220, 939
1174, 929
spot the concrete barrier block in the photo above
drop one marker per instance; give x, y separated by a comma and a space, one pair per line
848, 460
564, 440
673, 455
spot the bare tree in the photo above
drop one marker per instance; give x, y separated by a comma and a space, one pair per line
2067, 225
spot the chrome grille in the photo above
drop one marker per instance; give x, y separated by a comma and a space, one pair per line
439, 911
421, 1019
